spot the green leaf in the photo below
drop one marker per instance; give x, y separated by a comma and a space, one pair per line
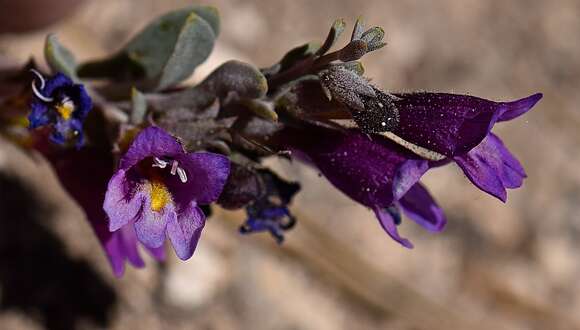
59, 58
193, 46
159, 51
211, 15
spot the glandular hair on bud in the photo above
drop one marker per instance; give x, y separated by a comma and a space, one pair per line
379, 115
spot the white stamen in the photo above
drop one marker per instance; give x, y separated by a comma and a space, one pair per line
42, 84
182, 175
174, 167
40, 77
159, 163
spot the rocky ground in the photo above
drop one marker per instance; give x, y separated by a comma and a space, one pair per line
500, 266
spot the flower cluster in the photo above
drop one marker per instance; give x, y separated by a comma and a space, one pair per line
154, 157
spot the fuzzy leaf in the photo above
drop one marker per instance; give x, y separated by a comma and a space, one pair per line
59, 58
193, 46
155, 52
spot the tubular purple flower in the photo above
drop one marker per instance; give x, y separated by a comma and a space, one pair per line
375, 172
158, 188
451, 124
459, 127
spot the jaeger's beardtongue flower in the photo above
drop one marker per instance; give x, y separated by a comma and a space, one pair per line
158, 187
453, 127
373, 171
62, 104
73, 168
459, 127
452, 124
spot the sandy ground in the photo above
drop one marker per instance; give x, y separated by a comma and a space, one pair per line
512, 266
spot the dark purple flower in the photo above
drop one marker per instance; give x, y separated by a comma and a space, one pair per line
459, 127
373, 171
62, 104
452, 124
84, 174
158, 187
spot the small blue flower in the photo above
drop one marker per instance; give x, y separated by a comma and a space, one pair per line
61, 104
268, 217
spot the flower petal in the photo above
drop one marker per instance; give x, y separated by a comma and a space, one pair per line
407, 175
418, 205
517, 108
150, 225
492, 168
361, 166
452, 124
39, 116
123, 202
150, 142
55, 83
207, 174
185, 230
82, 101
123, 244
388, 223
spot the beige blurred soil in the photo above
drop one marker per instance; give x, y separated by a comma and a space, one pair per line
496, 266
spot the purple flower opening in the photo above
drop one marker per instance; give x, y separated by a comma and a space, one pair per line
157, 190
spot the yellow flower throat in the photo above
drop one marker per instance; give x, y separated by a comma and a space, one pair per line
65, 110
160, 195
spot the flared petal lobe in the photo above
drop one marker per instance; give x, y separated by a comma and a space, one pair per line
185, 230
492, 168
123, 201
418, 205
389, 224
453, 124
207, 174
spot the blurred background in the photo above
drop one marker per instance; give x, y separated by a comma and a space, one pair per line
496, 266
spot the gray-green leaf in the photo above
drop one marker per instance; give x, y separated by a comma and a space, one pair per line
59, 58
160, 51
193, 46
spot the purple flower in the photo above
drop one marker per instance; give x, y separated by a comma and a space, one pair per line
84, 174
452, 124
158, 187
373, 171
459, 128
62, 104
